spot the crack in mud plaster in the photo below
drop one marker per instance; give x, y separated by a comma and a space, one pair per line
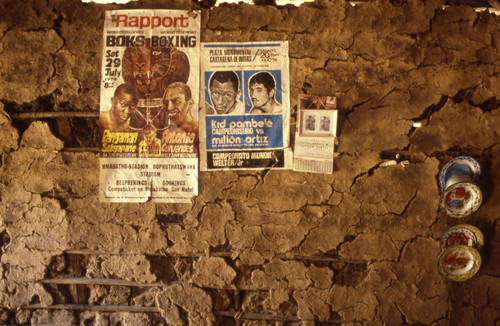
369, 172
407, 204
430, 110
409, 241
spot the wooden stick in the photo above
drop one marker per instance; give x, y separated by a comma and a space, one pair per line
122, 308
225, 254
118, 282
56, 114
261, 316
81, 149
73, 306
255, 316
98, 281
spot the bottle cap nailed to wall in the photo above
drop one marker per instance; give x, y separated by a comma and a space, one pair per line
462, 234
459, 263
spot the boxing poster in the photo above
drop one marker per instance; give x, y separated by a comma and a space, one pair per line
244, 120
149, 106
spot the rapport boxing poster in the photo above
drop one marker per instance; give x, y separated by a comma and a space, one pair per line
149, 106
245, 116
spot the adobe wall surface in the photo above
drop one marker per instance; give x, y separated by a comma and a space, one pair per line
357, 247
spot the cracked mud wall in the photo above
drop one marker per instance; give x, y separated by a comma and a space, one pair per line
355, 247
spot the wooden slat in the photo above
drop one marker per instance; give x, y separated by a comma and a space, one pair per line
73, 306
58, 114
142, 309
271, 317
336, 259
117, 282
97, 252
98, 281
81, 149
256, 316
225, 254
